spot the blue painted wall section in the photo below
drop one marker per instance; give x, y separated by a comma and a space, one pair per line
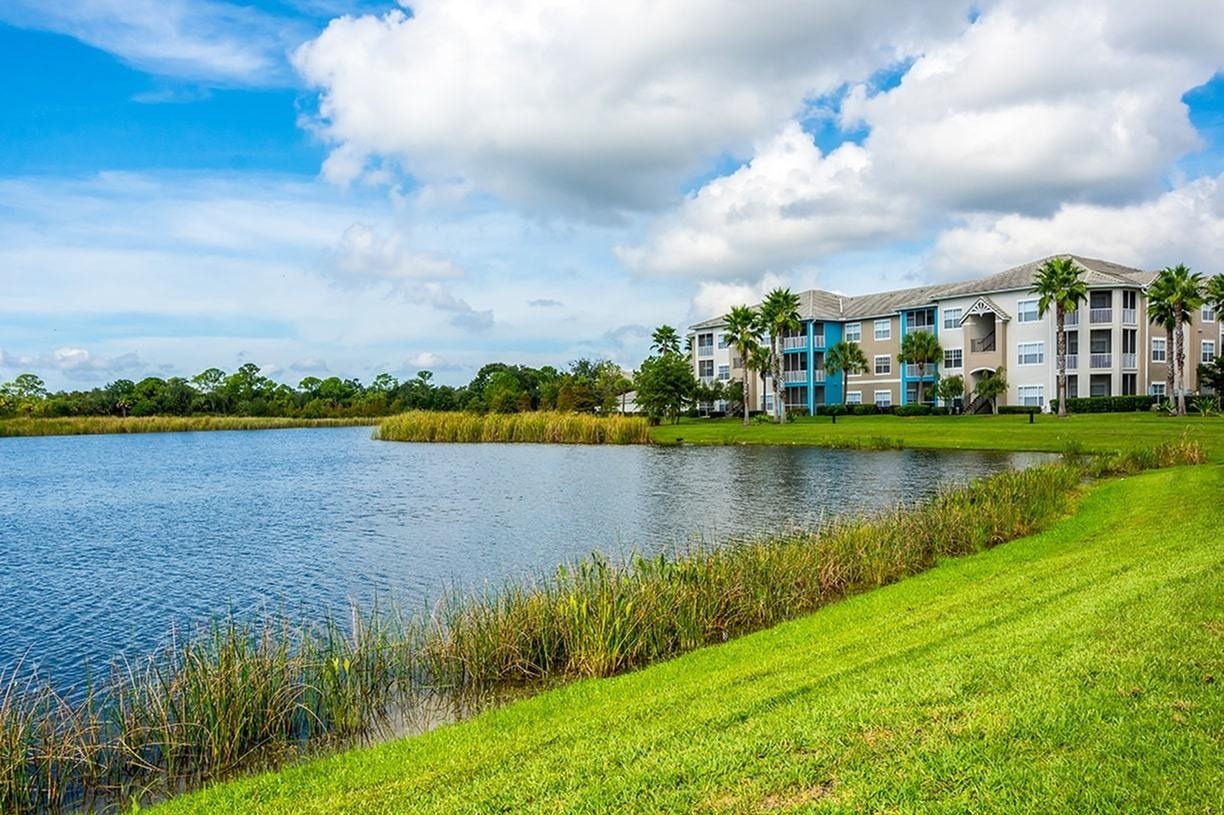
930, 375
835, 386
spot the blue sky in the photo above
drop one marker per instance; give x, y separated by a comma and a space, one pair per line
351, 187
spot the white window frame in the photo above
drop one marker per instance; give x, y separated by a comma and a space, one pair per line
959, 359
886, 325
854, 397
702, 364
1162, 344
887, 365
722, 340
887, 398
952, 317
769, 397
1021, 354
1026, 393
724, 373
1156, 389
1022, 310
856, 329
1208, 314
1207, 351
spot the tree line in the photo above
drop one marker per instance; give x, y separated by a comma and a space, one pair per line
584, 386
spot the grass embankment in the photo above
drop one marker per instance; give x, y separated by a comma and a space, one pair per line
1076, 670
543, 427
92, 425
1090, 432
253, 696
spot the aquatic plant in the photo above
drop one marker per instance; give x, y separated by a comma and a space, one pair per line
91, 425
544, 427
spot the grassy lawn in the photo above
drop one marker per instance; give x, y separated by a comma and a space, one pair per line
1096, 432
1077, 670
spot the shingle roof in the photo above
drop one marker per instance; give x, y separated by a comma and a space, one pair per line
818, 304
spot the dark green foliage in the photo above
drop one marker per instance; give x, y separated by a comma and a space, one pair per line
831, 410
1106, 404
912, 410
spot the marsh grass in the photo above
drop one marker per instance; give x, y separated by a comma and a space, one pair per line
93, 425
542, 427
242, 696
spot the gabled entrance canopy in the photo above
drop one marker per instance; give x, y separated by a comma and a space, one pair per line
984, 305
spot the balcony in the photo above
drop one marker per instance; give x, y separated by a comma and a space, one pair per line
818, 342
982, 345
794, 377
1100, 360
1130, 362
1130, 316
794, 343
818, 375
705, 350
1100, 315
1071, 318
911, 371
1072, 361
707, 380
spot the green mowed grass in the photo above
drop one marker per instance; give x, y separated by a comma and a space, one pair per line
1077, 670
1099, 432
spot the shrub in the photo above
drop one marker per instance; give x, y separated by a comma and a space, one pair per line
831, 410
1018, 409
544, 427
1106, 404
864, 410
912, 410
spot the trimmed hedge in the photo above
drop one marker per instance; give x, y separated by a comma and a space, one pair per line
912, 410
1107, 404
1018, 409
831, 410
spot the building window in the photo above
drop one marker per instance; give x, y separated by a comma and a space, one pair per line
768, 402
952, 317
1031, 353
1159, 354
705, 345
1208, 352
1208, 313
1072, 386
883, 329
1032, 395
883, 398
705, 368
1130, 384
1026, 311
722, 340
954, 358
1157, 389
854, 397
883, 364
854, 332
724, 372
923, 320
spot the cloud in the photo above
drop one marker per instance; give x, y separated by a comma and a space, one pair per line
205, 40
580, 107
72, 362
364, 256
544, 302
462, 314
1019, 113
309, 365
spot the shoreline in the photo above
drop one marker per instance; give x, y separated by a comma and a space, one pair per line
107, 425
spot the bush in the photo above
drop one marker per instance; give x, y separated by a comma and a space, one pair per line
863, 410
1107, 404
912, 410
1018, 409
831, 410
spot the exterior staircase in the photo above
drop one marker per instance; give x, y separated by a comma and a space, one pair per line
980, 404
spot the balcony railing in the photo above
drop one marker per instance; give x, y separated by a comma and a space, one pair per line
1100, 360
1071, 318
1130, 362
794, 377
911, 371
705, 350
818, 341
986, 343
1130, 316
1100, 315
794, 343
1072, 361
818, 375
707, 380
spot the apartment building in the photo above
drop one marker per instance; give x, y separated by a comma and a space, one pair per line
982, 325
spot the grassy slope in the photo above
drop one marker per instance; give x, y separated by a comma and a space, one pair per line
1095, 432
1077, 670
95, 425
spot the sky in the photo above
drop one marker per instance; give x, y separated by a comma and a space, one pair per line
351, 186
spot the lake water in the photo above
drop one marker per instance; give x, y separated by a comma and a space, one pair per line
108, 541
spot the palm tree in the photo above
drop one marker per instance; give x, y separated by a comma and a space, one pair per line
845, 357
1213, 293
779, 314
919, 348
1184, 294
665, 340
759, 361
1161, 313
743, 329
1060, 283
992, 386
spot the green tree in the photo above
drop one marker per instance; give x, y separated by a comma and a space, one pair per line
759, 361
209, 383
743, 330
1162, 313
845, 358
665, 340
1213, 293
665, 386
779, 314
920, 348
951, 388
992, 386
1060, 285
1183, 291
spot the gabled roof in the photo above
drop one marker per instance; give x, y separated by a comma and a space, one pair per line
982, 305
1096, 273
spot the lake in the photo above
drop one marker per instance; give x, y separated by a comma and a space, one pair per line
107, 542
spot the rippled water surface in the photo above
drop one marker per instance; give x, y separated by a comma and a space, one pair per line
108, 541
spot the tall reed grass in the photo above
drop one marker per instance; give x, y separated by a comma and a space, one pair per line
240, 695
90, 425
543, 427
